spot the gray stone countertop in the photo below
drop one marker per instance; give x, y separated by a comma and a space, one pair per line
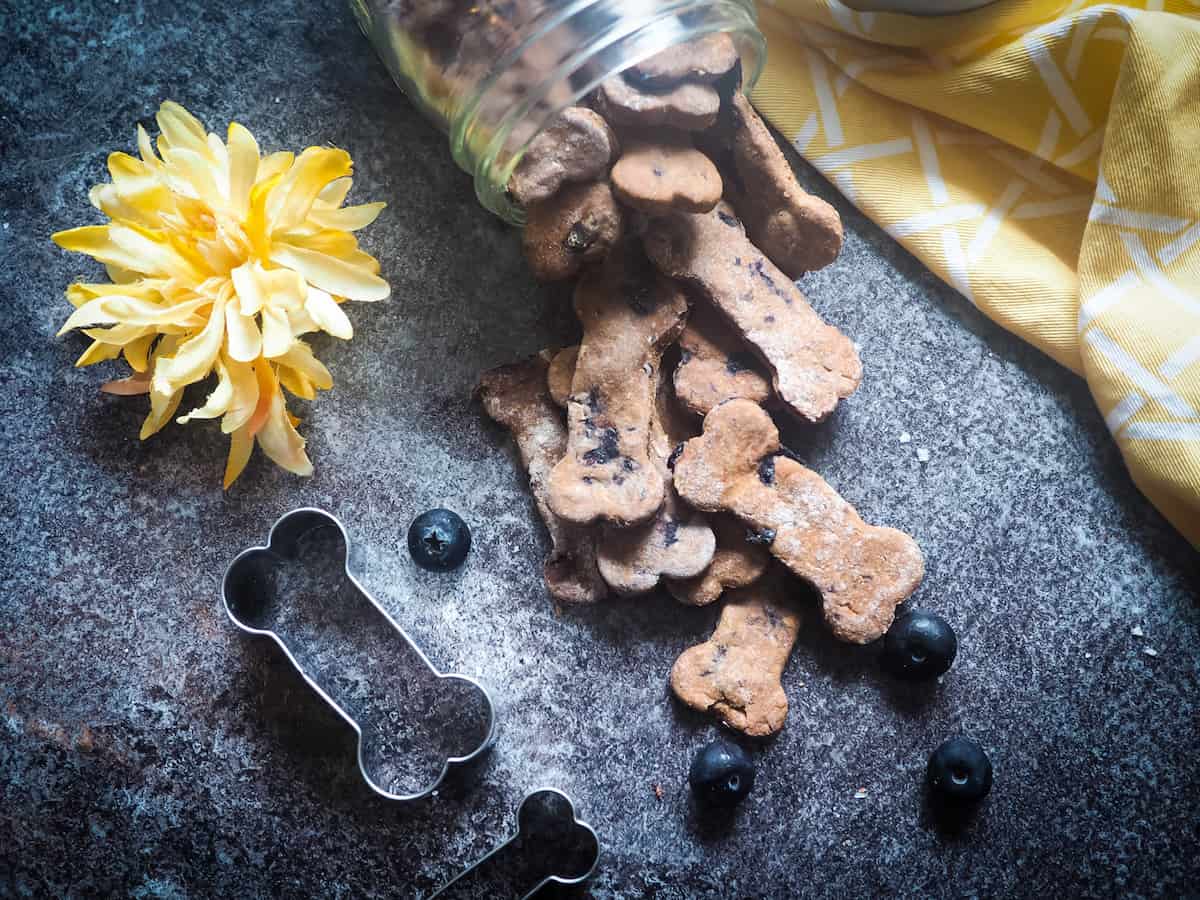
148, 749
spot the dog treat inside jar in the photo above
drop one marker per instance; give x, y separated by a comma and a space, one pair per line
494, 73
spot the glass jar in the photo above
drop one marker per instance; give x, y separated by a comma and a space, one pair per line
493, 73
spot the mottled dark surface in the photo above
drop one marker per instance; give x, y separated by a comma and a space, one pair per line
148, 749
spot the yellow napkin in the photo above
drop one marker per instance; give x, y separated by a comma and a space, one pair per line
1044, 159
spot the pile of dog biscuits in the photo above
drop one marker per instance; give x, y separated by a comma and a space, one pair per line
651, 449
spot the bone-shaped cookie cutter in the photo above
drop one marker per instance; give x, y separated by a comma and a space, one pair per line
251, 588
552, 845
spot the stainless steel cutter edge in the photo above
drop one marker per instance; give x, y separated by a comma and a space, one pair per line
556, 879
483, 747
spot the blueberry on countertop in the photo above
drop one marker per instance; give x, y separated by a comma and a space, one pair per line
722, 774
959, 773
919, 646
439, 539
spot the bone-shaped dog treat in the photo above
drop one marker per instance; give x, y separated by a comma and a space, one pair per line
665, 173
704, 59
812, 363
577, 146
687, 106
516, 397
798, 231
862, 571
560, 374
716, 366
677, 542
735, 673
629, 314
736, 563
578, 224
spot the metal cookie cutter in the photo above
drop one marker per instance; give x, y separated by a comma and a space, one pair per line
551, 845
413, 722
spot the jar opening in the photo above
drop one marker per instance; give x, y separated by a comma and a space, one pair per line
552, 69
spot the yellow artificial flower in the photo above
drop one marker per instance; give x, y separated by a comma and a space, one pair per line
220, 259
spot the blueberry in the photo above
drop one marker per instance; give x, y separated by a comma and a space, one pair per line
439, 539
919, 646
722, 774
959, 773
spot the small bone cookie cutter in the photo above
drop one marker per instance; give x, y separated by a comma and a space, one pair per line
551, 845
413, 722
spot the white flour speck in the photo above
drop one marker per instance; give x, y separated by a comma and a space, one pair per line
905, 437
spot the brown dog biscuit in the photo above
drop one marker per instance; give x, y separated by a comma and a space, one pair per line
560, 373
736, 672
578, 224
715, 365
862, 571
735, 564
577, 146
813, 364
666, 173
515, 396
704, 59
677, 542
629, 314
796, 230
688, 106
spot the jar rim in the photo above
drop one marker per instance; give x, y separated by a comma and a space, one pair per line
484, 153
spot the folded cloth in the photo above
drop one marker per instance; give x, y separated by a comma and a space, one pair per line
1044, 159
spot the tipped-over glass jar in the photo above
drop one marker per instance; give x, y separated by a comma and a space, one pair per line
493, 73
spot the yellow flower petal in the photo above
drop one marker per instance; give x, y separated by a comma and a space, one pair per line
341, 244
296, 383
140, 186
146, 149
130, 311
80, 292
243, 167
241, 443
195, 356
107, 199
328, 315
136, 352
274, 164
334, 194
330, 274
301, 321
218, 401
311, 172
180, 128
349, 218
191, 174
117, 335
280, 440
245, 395
126, 248
162, 407
245, 341
245, 285
283, 288
276, 332
300, 358
255, 225
98, 352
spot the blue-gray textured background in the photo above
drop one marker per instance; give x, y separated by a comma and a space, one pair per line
147, 749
